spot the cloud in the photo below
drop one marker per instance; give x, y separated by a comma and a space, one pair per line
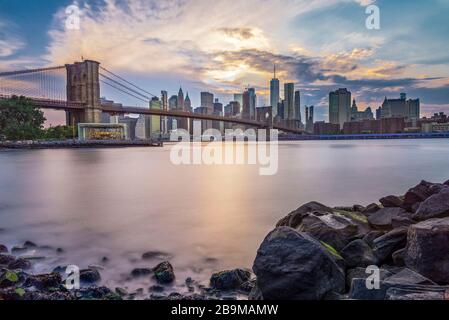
10, 42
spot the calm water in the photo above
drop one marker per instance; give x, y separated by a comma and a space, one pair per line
120, 203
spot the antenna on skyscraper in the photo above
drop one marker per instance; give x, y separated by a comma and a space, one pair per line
274, 71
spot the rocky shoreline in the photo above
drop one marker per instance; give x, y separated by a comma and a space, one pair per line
316, 252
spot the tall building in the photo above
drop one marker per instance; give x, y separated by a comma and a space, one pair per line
180, 99
289, 100
218, 111
340, 107
164, 101
274, 93
207, 100
297, 115
401, 108
143, 127
249, 104
188, 103
155, 121
239, 98
309, 119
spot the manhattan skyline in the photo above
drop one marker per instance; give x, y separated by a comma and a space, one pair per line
319, 46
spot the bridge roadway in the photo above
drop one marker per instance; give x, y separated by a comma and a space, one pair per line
72, 106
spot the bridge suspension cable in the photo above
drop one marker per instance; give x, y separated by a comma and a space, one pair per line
126, 81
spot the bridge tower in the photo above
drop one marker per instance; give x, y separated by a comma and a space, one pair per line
83, 86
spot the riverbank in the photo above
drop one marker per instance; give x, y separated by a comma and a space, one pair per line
75, 144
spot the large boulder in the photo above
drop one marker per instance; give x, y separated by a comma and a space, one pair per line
436, 206
420, 193
294, 219
427, 249
389, 243
230, 279
359, 254
370, 209
389, 218
90, 276
164, 273
3, 249
291, 265
391, 202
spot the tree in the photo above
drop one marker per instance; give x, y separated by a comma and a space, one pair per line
20, 119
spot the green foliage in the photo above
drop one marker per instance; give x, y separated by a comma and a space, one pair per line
60, 133
20, 119
20, 291
11, 276
331, 249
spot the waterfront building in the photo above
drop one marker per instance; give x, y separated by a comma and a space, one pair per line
401, 108
249, 104
130, 126
188, 104
323, 128
357, 115
164, 102
155, 121
274, 93
297, 113
340, 106
309, 119
289, 103
239, 98
143, 127
218, 111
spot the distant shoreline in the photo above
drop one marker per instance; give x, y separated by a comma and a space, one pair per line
75, 144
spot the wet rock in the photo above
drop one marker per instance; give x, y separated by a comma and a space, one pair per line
398, 258
255, 294
391, 202
121, 292
361, 273
358, 208
372, 208
414, 295
141, 272
90, 275
293, 266
407, 276
96, 293
373, 235
156, 288
247, 286
59, 250
446, 183
3, 249
436, 206
18, 250
20, 263
427, 249
155, 255
294, 219
358, 254
359, 290
383, 219
389, 243
230, 279
44, 281
6, 260
164, 273
29, 245
420, 193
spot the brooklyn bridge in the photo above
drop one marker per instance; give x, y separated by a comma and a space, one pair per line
75, 89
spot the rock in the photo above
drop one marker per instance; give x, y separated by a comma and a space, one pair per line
255, 294
6, 260
389, 243
90, 275
391, 202
359, 290
96, 293
230, 279
383, 219
156, 288
373, 235
141, 272
44, 281
18, 250
446, 183
20, 263
121, 292
294, 219
156, 255
407, 276
164, 273
293, 266
436, 206
420, 193
333, 229
358, 208
3, 249
29, 244
248, 286
427, 249
358, 254
361, 273
414, 295
372, 208
398, 258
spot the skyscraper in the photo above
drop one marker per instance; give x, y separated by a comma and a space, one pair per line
289, 103
297, 115
239, 98
274, 93
188, 103
340, 107
309, 119
164, 101
180, 99
155, 121
249, 104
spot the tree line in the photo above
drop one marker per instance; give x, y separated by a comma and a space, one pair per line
20, 119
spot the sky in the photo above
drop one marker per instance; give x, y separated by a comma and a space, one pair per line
224, 46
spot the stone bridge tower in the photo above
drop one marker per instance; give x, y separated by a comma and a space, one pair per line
83, 86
